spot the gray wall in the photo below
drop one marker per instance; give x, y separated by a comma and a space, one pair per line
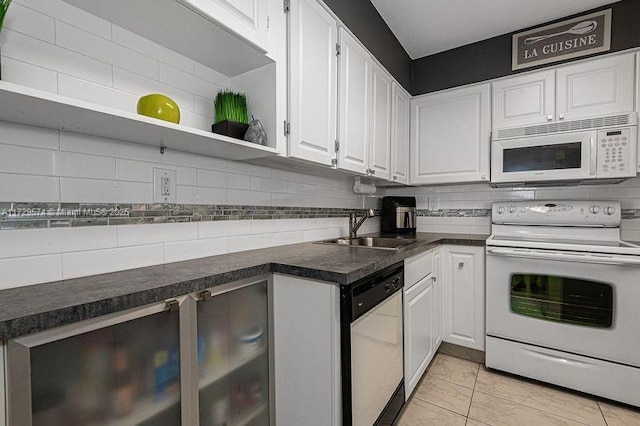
489, 59
363, 19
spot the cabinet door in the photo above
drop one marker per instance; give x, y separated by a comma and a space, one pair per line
3, 399
121, 369
437, 291
450, 136
400, 135
246, 18
597, 87
355, 95
638, 96
233, 357
380, 148
312, 82
524, 100
418, 332
463, 290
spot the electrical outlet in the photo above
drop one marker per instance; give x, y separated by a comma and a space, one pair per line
164, 186
433, 203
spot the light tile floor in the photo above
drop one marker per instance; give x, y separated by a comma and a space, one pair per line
456, 392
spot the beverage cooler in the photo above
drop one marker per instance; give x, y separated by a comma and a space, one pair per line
199, 359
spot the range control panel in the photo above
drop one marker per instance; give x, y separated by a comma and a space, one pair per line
557, 213
617, 153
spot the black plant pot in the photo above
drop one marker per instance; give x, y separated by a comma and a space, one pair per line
230, 128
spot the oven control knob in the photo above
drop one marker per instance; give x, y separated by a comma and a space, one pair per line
609, 210
500, 210
512, 209
594, 209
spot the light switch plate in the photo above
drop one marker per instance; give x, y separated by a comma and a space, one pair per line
164, 186
433, 203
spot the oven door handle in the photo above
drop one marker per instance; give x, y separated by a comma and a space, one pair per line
608, 259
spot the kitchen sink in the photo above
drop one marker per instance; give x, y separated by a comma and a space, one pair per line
371, 242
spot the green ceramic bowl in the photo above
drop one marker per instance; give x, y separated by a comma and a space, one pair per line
159, 106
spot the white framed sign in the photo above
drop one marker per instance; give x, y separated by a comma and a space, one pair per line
568, 39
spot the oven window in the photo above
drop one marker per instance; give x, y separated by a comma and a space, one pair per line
567, 300
543, 157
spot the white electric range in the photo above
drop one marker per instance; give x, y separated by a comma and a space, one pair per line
563, 297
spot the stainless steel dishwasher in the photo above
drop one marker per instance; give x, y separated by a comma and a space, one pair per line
372, 352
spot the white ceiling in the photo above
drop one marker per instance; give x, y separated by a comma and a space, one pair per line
425, 27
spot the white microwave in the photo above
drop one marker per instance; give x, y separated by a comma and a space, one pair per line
566, 152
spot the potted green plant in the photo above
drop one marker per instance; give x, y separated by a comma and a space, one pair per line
4, 5
232, 118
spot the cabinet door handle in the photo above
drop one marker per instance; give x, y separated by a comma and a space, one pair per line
395, 178
434, 279
460, 265
373, 172
561, 116
549, 117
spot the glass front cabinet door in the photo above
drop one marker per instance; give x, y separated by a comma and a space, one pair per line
198, 359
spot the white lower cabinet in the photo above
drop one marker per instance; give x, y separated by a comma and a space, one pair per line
437, 291
419, 339
463, 296
3, 397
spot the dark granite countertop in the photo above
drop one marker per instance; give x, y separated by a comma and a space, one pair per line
25, 310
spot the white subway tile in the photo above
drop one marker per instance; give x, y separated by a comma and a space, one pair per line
23, 271
235, 181
35, 137
83, 42
185, 250
26, 188
212, 178
141, 86
149, 48
480, 229
74, 142
87, 91
195, 121
451, 229
136, 235
211, 75
65, 12
471, 196
81, 165
76, 190
284, 238
264, 226
135, 171
303, 224
513, 195
268, 185
424, 228
630, 235
561, 194
29, 75
223, 228
28, 49
205, 106
249, 169
30, 22
295, 200
193, 160
186, 81
94, 262
248, 198
34, 242
20, 159
249, 242
200, 195
633, 224
480, 204
451, 188
323, 234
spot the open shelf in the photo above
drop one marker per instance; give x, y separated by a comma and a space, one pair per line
24, 105
146, 410
174, 25
211, 379
250, 416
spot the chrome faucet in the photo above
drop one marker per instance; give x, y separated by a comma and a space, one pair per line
355, 224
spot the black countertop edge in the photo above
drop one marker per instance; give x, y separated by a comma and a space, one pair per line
26, 310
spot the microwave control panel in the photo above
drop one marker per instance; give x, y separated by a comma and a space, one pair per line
616, 153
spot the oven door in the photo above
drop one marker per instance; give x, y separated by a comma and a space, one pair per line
575, 302
567, 156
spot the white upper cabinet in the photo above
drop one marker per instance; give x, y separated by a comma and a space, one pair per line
312, 82
524, 100
450, 136
354, 99
400, 135
596, 87
380, 150
246, 18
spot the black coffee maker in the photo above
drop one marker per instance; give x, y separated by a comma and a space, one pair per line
399, 215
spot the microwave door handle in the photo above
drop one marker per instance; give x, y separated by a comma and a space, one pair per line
567, 257
594, 156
